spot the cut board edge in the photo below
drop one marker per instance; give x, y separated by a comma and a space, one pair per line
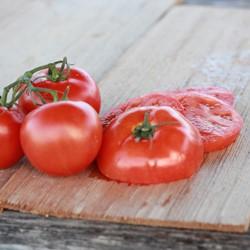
193, 225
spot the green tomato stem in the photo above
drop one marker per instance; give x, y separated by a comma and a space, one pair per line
24, 82
53, 93
146, 130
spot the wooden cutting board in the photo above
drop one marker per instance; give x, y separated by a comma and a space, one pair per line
38, 32
190, 46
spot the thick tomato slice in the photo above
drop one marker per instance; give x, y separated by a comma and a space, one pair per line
218, 123
171, 151
218, 92
81, 88
153, 99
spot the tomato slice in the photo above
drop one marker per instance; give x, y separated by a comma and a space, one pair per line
153, 99
218, 123
220, 93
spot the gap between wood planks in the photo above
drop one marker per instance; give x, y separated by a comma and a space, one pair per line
220, 3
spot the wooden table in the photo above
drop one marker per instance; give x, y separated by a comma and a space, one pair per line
102, 36
26, 232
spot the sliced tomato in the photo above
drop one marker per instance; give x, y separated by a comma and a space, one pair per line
153, 99
148, 145
218, 123
220, 93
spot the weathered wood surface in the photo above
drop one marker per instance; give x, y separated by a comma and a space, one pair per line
195, 47
93, 34
27, 232
4, 177
190, 46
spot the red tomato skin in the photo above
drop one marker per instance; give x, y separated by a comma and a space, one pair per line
175, 152
218, 123
82, 88
152, 99
10, 123
61, 138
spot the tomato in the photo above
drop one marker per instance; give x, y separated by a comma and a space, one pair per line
218, 123
61, 138
148, 145
81, 88
10, 123
153, 99
220, 93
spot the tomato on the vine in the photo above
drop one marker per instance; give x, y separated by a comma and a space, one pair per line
218, 123
148, 145
81, 87
10, 123
61, 138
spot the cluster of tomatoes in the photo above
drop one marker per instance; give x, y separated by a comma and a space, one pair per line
159, 137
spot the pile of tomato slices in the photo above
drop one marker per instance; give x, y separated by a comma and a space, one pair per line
185, 124
52, 118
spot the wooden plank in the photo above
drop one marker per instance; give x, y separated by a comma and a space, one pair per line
93, 34
18, 232
191, 46
5, 176
207, 47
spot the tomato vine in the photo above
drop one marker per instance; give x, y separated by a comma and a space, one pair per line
12, 92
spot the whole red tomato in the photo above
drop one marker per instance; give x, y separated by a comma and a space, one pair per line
10, 123
61, 138
148, 145
81, 88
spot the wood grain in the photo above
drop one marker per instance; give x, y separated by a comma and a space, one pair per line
207, 47
190, 46
26, 232
93, 34
5, 175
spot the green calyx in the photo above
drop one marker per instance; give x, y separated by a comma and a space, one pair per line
12, 92
144, 130
56, 74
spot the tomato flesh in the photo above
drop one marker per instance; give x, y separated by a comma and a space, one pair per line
174, 152
153, 99
61, 138
218, 123
81, 88
220, 93
10, 123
